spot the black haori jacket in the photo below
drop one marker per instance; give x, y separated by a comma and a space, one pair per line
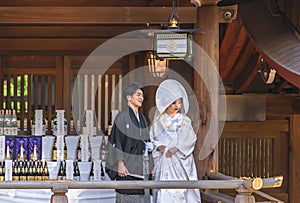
126, 142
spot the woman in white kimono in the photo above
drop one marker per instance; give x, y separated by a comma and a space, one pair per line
174, 139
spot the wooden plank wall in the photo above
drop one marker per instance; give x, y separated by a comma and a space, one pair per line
41, 72
100, 93
256, 149
46, 83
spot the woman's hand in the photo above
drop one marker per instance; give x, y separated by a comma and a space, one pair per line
171, 151
122, 170
161, 148
153, 173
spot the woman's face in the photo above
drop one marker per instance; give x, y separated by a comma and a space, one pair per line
174, 108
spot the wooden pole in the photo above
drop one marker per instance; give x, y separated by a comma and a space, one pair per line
207, 93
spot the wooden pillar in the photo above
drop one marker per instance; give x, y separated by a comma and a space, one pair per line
67, 89
206, 86
58, 83
294, 159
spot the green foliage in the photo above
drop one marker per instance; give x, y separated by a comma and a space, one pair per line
11, 87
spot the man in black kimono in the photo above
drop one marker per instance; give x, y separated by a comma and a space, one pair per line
128, 155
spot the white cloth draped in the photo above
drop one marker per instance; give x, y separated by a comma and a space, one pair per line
44, 195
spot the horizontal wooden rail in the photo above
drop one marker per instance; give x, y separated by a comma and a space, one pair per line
60, 188
201, 184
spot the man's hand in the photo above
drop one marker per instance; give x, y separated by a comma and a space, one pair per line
122, 170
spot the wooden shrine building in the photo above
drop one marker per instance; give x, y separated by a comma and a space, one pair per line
254, 44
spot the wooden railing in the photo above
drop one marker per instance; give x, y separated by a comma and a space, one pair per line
245, 194
245, 187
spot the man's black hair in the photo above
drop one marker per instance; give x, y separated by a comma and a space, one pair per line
131, 89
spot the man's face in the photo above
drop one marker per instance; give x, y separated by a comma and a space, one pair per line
137, 98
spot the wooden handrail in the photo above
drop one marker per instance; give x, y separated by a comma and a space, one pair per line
201, 184
272, 182
243, 186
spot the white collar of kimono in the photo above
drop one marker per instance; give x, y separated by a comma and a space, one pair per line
169, 91
164, 121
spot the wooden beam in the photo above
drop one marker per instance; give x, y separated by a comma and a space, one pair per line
32, 61
247, 76
70, 44
93, 3
49, 44
29, 70
241, 61
58, 31
93, 15
257, 126
232, 44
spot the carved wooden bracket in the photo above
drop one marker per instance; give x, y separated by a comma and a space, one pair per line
227, 13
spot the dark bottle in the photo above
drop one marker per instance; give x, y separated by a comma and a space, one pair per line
62, 171
45, 173
92, 177
109, 127
76, 173
3, 169
54, 154
15, 174
34, 170
79, 151
2, 175
38, 171
102, 172
26, 169
22, 172
31, 174
103, 149
65, 151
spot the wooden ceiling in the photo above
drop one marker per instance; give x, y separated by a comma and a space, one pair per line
79, 26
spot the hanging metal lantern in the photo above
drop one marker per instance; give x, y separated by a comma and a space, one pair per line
157, 67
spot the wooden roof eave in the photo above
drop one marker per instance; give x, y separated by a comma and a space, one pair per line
273, 38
